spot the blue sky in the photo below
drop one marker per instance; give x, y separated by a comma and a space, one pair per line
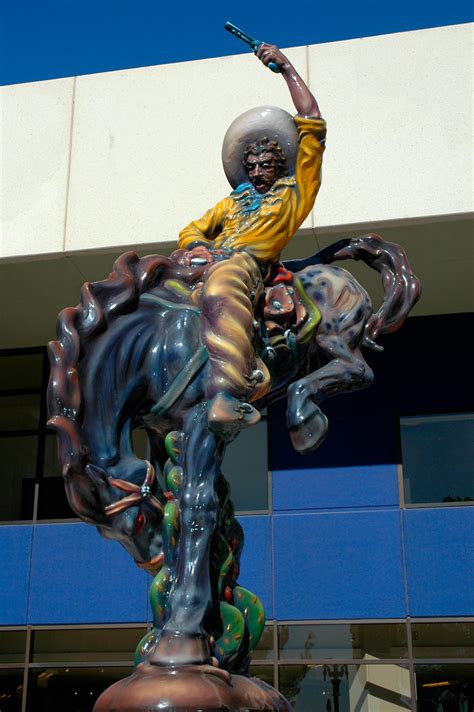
45, 39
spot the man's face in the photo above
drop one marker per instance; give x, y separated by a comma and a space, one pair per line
261, 170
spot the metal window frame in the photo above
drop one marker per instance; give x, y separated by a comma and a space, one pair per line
410, 662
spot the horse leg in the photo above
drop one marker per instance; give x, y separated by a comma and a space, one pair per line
183, 639
346, 371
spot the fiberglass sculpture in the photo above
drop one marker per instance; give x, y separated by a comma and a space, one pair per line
190, 348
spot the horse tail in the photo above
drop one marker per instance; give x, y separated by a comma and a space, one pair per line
402, 288
101, 302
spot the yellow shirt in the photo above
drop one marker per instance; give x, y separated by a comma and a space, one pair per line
263, 224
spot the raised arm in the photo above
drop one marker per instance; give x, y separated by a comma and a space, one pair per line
305, 103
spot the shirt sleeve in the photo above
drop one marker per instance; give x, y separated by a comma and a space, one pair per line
206, 228
311, 134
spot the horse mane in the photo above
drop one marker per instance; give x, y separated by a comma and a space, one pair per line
101, 303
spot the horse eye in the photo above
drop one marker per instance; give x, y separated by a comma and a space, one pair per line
139, 522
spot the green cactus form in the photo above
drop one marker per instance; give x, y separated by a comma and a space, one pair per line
161, 585
239, 617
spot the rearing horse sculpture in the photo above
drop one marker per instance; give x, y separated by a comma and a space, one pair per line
147, 348
129, 356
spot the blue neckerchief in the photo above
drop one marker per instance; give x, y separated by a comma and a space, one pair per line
249, 198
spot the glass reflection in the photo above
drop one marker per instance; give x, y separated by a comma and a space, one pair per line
264, 673
86, 645
443, 640
245, 467
51, 466
11, 690
12, 646
71, 689
21, 371
445, 687
140, 444
430, 446
19, 412
346, 688
345, 640
17, 473
264, 649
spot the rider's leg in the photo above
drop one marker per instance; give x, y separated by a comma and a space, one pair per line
228, 299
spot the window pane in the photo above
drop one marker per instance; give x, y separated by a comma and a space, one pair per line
141, 446
342, 640
20, 412
437, 455
264, 673
74, 690
264, 649
52, 499
12, 646
22, 371
93, 645
17, 472
447, 687
348, 688
51, 467
443, 640
11, 690
246, 468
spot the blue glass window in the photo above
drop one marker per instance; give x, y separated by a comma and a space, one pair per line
438, 457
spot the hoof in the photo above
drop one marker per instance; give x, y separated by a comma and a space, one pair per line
228, 416
310, 433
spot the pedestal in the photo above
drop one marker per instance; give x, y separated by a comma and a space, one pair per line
189, 688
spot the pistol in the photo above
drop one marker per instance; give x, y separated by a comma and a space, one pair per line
252, 43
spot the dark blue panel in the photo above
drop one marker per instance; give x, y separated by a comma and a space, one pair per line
440, 561
256, 560
338, 565
363, 439
79, 577
15, 548
53, 38
364, 426
335, 487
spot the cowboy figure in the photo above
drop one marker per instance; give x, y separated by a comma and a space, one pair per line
273, 162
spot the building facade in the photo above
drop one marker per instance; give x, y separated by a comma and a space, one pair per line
362, 551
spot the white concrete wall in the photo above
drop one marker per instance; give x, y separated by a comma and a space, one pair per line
35, 134
128, 158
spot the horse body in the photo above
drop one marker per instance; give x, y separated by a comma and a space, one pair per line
130, 356
345, 309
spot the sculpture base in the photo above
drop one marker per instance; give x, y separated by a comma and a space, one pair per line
189, 688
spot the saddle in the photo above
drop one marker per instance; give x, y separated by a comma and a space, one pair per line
283, 310
289, 318
286, 314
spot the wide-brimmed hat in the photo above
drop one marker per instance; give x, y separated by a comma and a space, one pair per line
270, 121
